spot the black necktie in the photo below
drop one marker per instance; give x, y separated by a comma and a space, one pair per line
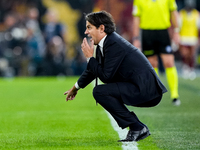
98, 54
99, 59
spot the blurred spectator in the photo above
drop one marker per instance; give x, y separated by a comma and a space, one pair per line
53, 27
189, 37
35, 42
13, 44
79, 62
55, 57
54, 34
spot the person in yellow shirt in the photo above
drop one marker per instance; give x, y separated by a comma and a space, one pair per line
152, 18
189, 36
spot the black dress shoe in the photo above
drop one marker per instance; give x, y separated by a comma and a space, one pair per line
136, 135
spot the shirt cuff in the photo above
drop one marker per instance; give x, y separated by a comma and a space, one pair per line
88, 59
77, 86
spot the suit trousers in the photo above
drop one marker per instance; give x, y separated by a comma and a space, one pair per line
109, 97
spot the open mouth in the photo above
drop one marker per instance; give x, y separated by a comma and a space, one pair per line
89, 38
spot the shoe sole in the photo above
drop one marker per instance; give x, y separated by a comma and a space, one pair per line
143, 136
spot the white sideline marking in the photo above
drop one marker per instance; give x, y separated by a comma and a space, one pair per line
121, 132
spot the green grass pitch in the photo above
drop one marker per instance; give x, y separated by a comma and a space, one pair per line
34, 115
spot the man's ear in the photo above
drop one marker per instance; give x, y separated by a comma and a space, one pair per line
102, 28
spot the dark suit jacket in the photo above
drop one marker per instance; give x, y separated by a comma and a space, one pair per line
125, 65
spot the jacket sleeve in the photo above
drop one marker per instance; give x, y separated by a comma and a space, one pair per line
113, 56
86, 78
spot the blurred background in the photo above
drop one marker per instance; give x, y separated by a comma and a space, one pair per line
43, 37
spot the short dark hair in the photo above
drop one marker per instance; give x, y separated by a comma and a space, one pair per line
101, 18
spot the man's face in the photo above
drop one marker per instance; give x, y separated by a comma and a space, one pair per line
93, 32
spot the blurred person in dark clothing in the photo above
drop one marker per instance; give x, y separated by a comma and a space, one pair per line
78, 63
14, 42
35, 42
54, 34
55, 57
53, 27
